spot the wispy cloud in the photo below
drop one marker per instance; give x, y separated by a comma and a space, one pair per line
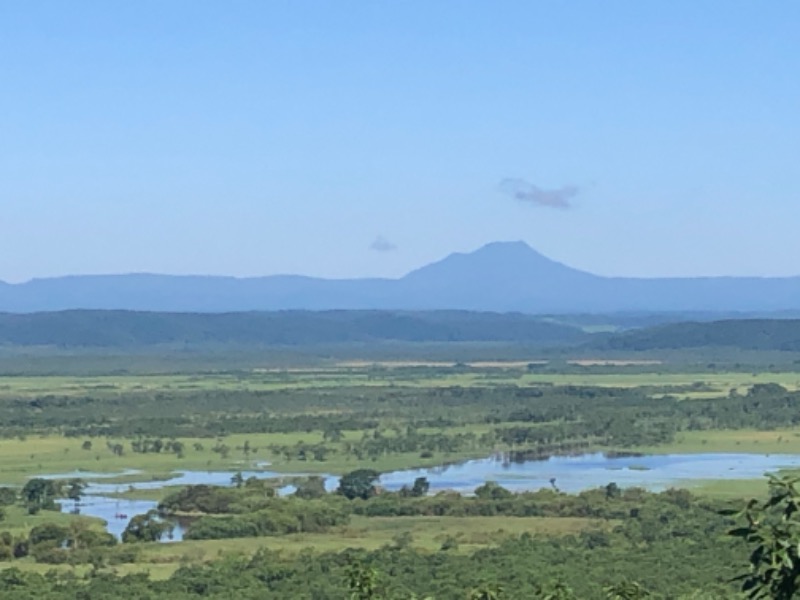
521, 190
381, 244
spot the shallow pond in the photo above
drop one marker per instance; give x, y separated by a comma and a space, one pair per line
567, 473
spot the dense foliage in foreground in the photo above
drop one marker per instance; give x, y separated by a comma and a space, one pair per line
674, 566
672, 543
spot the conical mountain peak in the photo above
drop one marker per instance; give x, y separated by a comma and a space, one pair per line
496, 261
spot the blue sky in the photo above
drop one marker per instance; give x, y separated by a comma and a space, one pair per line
367, 138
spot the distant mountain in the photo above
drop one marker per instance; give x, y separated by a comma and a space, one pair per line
499, 277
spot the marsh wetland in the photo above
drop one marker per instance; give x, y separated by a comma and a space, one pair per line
422, 458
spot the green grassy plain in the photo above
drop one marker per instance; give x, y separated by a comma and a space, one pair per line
53, 454
21, 459
720, 383
779, 441
728, 489
18, 521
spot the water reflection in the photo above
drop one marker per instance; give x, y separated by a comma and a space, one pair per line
117, 513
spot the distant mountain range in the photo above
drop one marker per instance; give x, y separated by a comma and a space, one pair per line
499, 277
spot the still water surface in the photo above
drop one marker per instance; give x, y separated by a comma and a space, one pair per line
567, 473
576, 473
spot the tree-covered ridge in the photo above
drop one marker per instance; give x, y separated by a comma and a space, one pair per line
124, 329
746, 334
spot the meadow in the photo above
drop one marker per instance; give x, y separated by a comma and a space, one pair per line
388, 374
354, 396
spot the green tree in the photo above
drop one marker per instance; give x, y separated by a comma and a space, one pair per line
178, 448
362, 581
613, 491
79, 531
8, 496
773, 527
333, 434
312, 487
74, 491
148, 527
626, 590
557, 590
486, 592
40, 493
48, 532
358, 484
420, 487
491, 490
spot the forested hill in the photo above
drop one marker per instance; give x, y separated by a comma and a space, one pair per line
747, 334
86, 328
130, 329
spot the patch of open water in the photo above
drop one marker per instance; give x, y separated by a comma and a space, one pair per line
655, 472
567, 473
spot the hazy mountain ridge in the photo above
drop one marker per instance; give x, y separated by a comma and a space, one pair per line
499, 277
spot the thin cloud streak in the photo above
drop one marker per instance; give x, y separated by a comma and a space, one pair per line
526, 192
